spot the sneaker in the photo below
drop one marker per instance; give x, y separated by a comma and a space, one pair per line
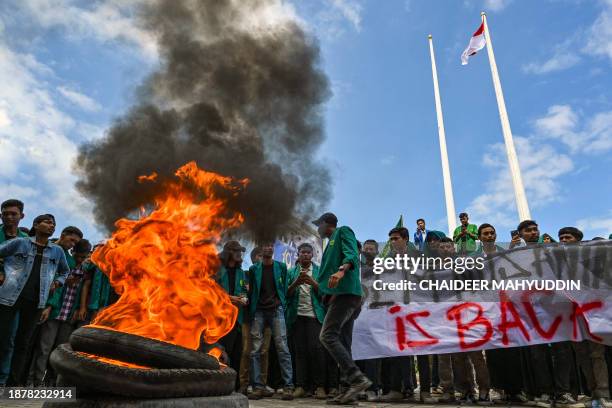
496, 395
446, 398
484, 399
279, 391
392, 396
605, 402
426, 398
582, 403
359, 384
287, 394
267, 392
565, 399
335, 400
250, 389
543, 401
437, 390
299, 392
333, 392
320, 393
257, 394
468, 398
371, 396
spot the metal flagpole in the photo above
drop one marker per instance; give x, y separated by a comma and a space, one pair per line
448, 186
515, 170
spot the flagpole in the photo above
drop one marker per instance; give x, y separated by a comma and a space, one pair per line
448, 186
515, 170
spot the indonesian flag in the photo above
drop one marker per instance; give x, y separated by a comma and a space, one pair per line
477, 43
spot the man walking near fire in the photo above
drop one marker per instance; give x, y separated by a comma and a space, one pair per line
339, 282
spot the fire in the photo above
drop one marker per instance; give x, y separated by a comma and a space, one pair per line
163, 264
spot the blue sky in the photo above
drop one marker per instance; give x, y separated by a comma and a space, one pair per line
68, 68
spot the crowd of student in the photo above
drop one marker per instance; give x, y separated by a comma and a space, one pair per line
294, 328
47, 289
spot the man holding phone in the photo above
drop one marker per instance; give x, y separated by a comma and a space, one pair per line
465, 235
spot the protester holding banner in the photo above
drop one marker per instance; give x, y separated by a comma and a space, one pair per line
590, 355
397, 369
504, 364
370, 367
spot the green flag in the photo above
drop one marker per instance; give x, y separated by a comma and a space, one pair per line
387, 248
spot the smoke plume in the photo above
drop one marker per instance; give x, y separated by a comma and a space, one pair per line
239, 90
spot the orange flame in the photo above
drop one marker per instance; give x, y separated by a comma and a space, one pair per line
164, 263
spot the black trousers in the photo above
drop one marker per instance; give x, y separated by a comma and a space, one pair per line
309, 353
371, 369
397, 374
505, 369
337, 334
29, 315
232, 343
424, 373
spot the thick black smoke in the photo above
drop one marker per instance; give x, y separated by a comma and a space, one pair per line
239, 101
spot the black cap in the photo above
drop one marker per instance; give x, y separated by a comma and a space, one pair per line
233, 246
328, 218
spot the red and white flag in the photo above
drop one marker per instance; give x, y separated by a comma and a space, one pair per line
477, 43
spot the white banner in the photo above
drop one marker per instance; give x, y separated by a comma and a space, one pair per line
541, 294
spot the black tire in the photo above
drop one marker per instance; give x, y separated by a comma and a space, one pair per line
138, 350
97, 376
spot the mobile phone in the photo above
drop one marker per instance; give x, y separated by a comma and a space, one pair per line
514, 233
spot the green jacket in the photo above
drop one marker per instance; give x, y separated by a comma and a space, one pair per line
280, 282
240, 286
100, 291
341, 249
293, 301
465, 243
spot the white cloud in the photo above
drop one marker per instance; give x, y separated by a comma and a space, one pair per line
496, 5
107, 20
351, 10
590, 136
82, 101
600, 34
4, 119
598, 40
36, 151
541, 166
597, 226
561, 60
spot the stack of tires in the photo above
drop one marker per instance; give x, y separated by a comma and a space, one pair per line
171, 371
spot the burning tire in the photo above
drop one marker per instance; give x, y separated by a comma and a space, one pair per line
138, 350
99, 376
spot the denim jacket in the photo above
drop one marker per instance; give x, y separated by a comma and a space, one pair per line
19, 254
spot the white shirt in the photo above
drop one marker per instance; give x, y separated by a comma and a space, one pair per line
305, 301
